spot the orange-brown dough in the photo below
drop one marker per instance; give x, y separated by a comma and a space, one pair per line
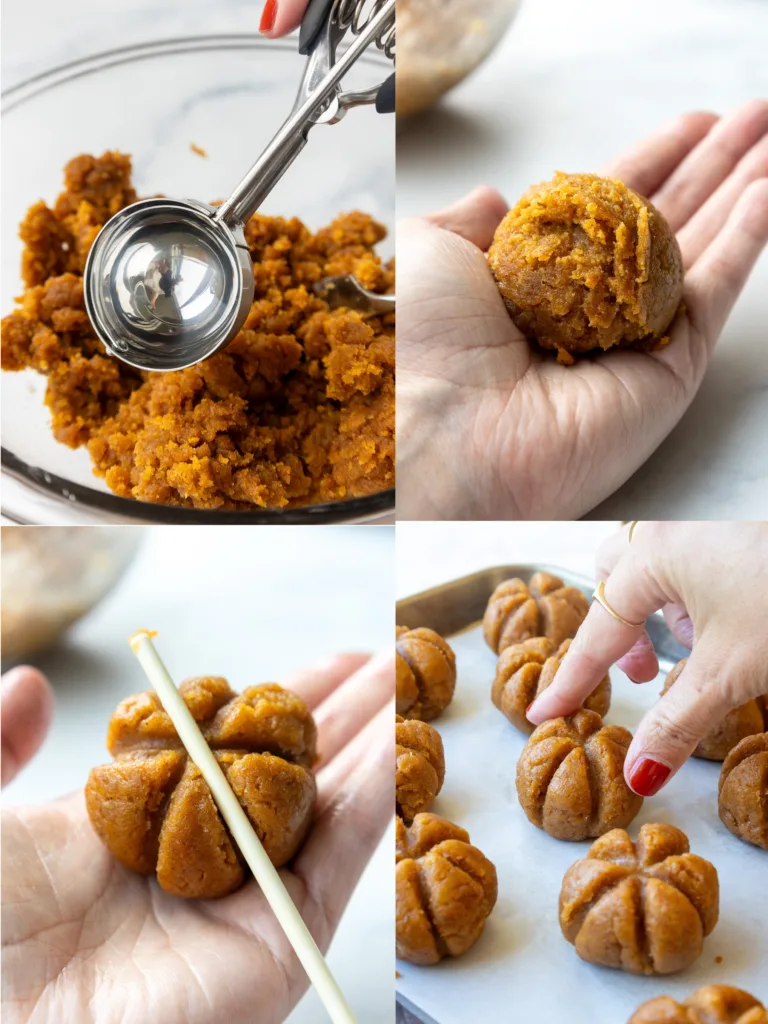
570, 777
712, 1004
154, 811
445, 890
419, 766
745, 720
642, 907
585, 263
425, 670
545, 606
299, 409
743, 790
525, 670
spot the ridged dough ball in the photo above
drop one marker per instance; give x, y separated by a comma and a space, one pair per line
419, 766
642, 907
153, 810
712, 1004
425, 667
570, 777
545, 606
525, 670
445, 890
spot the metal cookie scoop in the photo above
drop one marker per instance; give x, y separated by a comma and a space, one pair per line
346, 290
168, 282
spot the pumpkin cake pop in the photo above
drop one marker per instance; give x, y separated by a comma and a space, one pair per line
153, 810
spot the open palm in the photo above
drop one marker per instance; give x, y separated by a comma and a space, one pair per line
86, 940
488, 427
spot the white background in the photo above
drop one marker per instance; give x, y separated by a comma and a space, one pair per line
429, 554
572, 84
253, 605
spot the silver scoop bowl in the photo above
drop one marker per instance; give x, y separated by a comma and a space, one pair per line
169, 282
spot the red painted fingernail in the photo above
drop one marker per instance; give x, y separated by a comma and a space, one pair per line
529, 707
648, 776
268, 16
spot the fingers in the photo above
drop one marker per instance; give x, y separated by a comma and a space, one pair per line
715, 281
350, 707
705, 224
356, 801
316, 683
680, 625
279, 17
475, 217
613, 548
710, 163
26, 702
648, 165
640, 662
601, 641
669, 733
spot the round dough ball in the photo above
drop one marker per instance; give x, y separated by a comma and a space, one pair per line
545, 606
585, 263
445, 890
743, 790
525, 670
570, 777
425, 670
712, 1004
153, 809
419, 766
642, 907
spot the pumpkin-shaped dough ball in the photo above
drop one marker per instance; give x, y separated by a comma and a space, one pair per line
445, 890
545, 606
712, 1004
746, 720
419, 766
743, 790
153, 810
642, 907
425, 673
525, 670
570, 777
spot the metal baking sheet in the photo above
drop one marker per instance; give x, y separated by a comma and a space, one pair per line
522, 969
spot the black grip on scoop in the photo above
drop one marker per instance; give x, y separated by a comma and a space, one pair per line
314, 18
385, 97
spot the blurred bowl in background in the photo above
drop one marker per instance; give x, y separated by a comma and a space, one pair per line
440, 42
52, 576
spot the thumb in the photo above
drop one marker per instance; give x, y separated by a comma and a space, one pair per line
26, 703
475, 216
671, 730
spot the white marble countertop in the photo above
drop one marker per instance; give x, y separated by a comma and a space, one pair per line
236, 608
570, 85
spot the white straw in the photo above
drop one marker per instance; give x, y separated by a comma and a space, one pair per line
263, 870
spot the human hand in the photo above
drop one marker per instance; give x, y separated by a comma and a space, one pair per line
490, 428
26, 702
85, 939
711, 580
280, 17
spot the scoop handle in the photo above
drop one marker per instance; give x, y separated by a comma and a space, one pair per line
291, 137
313, 22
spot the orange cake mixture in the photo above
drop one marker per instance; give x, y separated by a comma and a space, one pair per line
298, 410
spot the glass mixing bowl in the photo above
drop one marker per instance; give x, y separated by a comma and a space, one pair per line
52, 577
226, 95
440, 42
